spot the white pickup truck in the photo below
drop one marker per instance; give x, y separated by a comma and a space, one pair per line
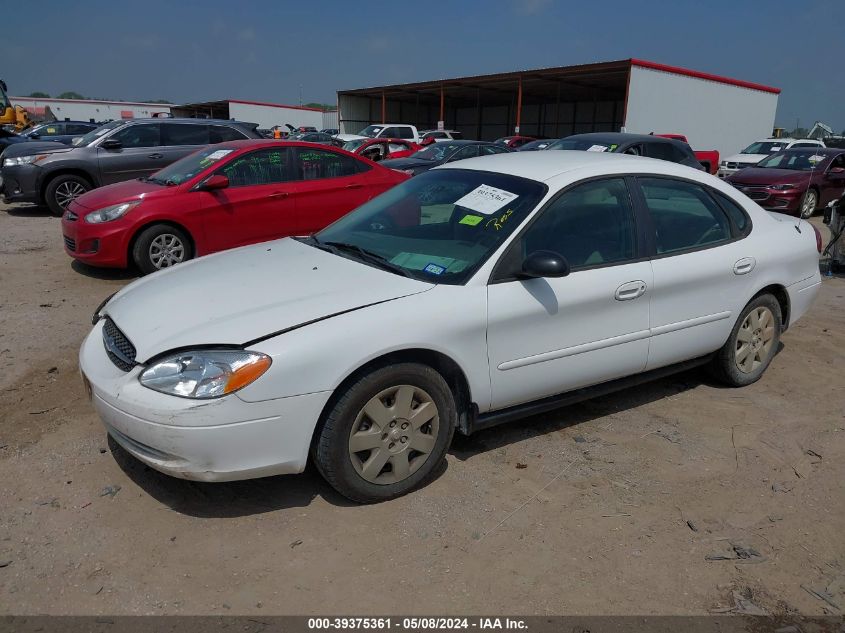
385, 130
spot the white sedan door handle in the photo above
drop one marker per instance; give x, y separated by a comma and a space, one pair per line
744, 265
630, 290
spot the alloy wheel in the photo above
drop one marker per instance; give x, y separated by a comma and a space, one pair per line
67, 192
808, 205
754, 339
166, 250
394, 434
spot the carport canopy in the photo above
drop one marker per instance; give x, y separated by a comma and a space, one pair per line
547, 102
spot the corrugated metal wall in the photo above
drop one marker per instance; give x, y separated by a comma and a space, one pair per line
330, 120
711, 114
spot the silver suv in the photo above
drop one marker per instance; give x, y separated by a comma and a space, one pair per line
54, 174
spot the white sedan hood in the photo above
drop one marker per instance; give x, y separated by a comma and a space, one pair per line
245, 294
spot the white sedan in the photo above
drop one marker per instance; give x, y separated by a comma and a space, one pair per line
462, 298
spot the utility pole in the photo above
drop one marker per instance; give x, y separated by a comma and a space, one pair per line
300, 95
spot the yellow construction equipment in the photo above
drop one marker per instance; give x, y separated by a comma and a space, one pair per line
12, 115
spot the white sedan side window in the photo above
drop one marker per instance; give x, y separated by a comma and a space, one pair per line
590, 225
684, 215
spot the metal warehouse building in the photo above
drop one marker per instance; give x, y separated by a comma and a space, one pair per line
92, 110
630, 95
266, 115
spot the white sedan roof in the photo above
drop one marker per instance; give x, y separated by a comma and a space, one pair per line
545, 165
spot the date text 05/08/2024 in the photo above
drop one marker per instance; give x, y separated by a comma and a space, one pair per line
416, 623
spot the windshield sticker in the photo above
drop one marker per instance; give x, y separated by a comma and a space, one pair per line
816, 158
471, 220
597, 148
421, 261
612, 147
776, 148
101, 132
434, 269
220, 153
486, 199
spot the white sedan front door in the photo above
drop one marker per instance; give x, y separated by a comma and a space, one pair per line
551, 335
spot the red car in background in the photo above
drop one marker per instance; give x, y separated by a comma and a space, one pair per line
794, 181
377, 149
223, 196
515, 141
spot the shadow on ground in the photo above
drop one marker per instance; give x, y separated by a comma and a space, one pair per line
29, 210
235, 498
573, 415
103, 273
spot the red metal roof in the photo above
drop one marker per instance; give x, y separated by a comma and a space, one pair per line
677, 70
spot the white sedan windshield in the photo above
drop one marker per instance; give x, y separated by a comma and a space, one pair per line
439, 226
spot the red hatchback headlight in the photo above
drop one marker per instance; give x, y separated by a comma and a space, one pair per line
113, 212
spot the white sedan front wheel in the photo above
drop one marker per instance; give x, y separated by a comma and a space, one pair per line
386, 433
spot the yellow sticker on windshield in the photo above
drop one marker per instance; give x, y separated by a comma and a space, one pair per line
472, 220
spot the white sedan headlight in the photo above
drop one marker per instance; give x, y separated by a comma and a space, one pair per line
22, 160
205, 373
107, 214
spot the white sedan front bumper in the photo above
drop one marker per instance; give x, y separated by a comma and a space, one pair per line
223, 439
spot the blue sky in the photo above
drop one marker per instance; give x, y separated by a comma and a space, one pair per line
265, 51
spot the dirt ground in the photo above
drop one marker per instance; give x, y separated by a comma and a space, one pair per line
614, 506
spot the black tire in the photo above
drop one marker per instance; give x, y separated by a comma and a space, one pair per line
144, 253
725, 366
62, 189
332, 452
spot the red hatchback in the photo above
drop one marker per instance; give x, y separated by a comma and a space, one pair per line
223, 196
